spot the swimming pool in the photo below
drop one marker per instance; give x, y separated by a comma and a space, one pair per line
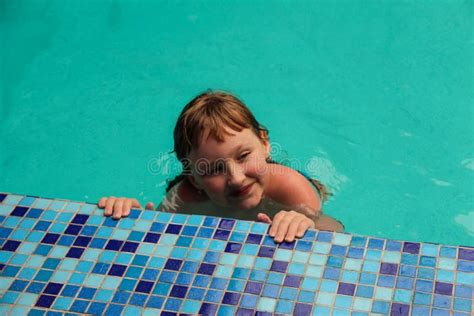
375, 100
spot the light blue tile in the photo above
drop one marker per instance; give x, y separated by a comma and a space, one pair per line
249, 249
87, 209
190, 307
42, 203
310, 284
195, 220
12, 199
266, 304
242, 226
217, 245
259, 228
5, 209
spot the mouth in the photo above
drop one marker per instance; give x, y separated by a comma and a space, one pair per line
242, 191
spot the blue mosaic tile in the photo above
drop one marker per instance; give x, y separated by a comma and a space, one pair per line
61, 257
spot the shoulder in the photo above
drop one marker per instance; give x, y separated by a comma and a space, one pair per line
289, 187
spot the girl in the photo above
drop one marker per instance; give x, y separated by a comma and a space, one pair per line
228, 172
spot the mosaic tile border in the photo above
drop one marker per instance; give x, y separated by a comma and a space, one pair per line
59, 256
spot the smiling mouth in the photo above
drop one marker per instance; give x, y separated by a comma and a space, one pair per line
242, 191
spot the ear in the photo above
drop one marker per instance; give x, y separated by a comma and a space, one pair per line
266, 142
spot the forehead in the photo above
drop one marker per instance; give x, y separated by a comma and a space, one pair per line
212, 148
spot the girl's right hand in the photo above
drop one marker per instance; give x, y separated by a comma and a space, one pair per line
120, 207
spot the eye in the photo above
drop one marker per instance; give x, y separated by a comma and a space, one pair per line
243, 156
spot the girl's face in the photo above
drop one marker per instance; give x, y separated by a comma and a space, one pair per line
233, 173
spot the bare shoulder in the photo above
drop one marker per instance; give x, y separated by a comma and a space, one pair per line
289, 187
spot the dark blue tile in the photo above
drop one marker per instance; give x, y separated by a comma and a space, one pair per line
82, 241
11, 245
208, 309
73, 229
206, 268
114, 244
173, 264
117, 269
292, 281
179, 291
253, 287
130, 246
233, 247
2, 197
144, 286
231, 298
221, 234
19, 211
173, 229
80, 219
226, 223
75, 252
53, 288
45, 301
287, 245
302, 309
254, 239
266, 252
279, 266
152, 238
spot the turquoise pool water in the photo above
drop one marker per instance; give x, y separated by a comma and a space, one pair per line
374, 98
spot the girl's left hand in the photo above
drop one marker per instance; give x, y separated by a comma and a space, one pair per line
287, 225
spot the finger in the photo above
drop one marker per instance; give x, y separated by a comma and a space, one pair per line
303, 227
293, 228
283, 227
264, 218
127, 205
150, 206
136, 204
276, 222
118, 208
102, 201
109, 204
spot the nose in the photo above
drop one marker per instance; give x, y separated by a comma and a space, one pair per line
236, 175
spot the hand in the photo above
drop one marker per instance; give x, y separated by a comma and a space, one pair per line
120, 207
287, 225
